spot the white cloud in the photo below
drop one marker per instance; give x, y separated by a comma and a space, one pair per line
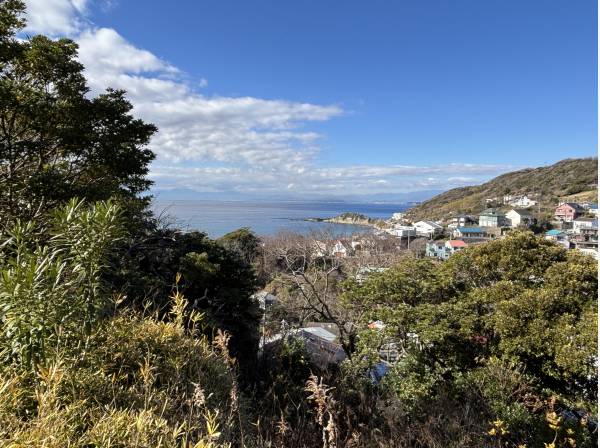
55, 17
320, 181
246, 144
194, 127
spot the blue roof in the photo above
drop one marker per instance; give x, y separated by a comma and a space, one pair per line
470, 230
553, 232
594, 206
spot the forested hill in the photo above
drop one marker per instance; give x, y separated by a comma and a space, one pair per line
569, 179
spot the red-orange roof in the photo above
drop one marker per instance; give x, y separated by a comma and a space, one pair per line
457, 243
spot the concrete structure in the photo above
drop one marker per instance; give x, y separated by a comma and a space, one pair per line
519, 217
591, 252
518, 201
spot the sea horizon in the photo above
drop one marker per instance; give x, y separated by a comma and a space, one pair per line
268, 217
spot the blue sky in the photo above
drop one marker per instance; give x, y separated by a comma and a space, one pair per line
340, 99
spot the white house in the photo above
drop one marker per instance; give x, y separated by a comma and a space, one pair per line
428, 228
523, 201
584, 223
519, 217
402, 231
398, 216
341, 249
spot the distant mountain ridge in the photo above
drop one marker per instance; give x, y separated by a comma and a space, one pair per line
569, 179
162, 194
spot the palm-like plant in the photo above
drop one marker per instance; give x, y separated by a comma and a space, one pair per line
50, 279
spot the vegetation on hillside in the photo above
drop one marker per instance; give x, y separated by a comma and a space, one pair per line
353, 219
548, 185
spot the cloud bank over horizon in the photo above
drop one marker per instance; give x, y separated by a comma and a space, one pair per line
230, 145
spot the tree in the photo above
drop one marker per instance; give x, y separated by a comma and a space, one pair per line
216, 280
56, 142
243, 241
312, 279
517, 307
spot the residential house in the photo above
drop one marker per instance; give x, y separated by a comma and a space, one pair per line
442, 250
568, 211
558, 237
264, 299
428, 228
593, 209
341, 249
522, 201
469, 232
584, 223
507, 199
398, 216
585, 236
322, 343
403, 231
453, 246
492, 218
519, 217
462, 221
436, 249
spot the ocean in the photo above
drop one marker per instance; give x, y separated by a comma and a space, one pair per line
217, 218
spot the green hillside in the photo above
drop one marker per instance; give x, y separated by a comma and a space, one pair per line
570, 179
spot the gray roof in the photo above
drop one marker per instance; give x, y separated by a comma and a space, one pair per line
321, 333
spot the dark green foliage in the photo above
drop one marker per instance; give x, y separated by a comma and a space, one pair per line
243, 241
513, 320
217, 281
56, 143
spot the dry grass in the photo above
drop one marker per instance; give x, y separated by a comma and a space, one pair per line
136, 382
